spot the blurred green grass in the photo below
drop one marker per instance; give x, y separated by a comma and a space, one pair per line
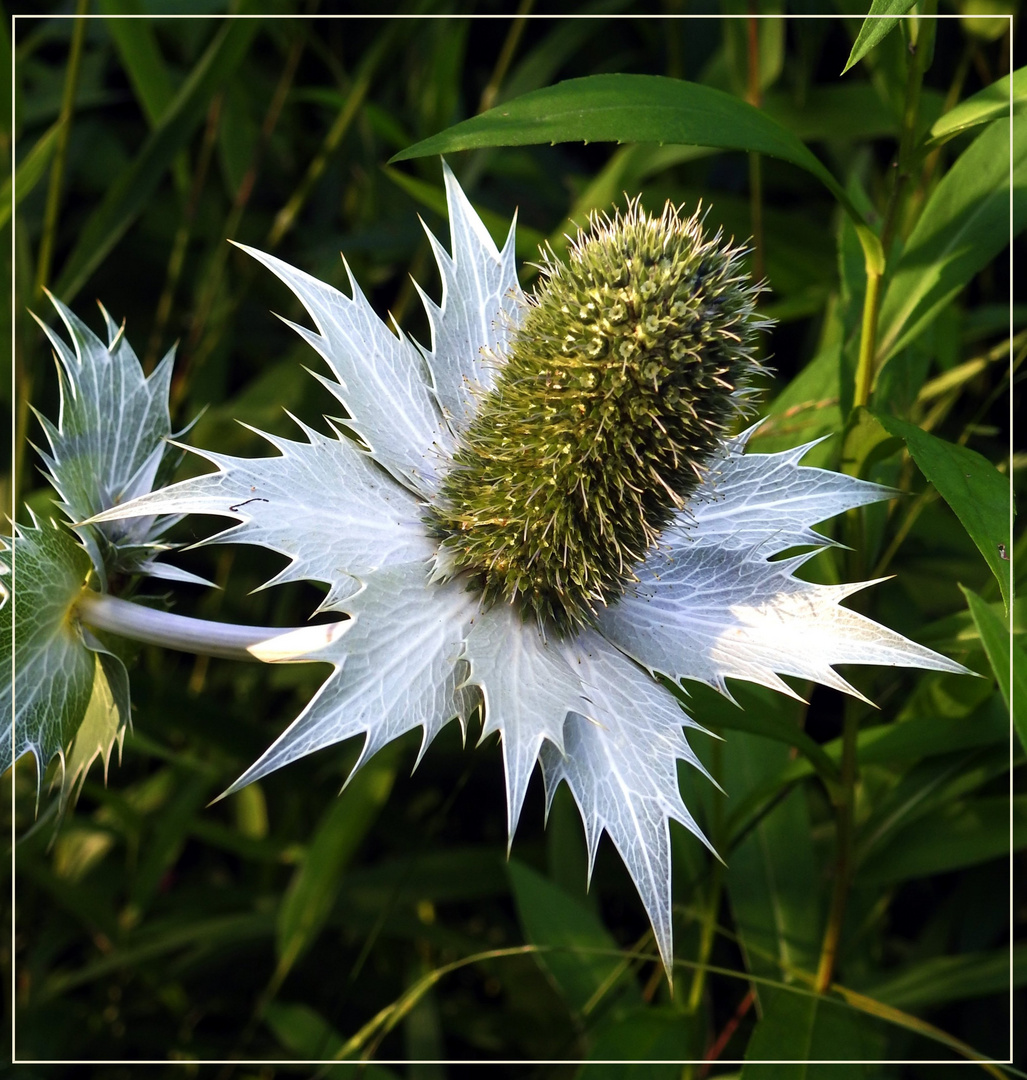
156, 926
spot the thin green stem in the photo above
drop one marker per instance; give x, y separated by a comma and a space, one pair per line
184, 233
843, 866
865, 366
229, 640
513, 38
754, 96
707, 937
53, 193
908, 156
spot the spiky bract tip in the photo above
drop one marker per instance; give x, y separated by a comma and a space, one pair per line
630, 364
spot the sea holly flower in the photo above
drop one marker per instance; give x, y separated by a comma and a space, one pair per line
540, 512
69, 696
110, 445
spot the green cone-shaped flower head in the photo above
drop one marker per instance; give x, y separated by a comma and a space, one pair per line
628, 367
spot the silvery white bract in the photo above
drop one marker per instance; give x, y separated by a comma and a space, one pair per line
418, 651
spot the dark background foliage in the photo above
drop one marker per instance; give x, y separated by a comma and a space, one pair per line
275, 923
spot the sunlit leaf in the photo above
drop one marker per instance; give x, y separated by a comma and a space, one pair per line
628, 108
976, 491
964, 225
1006, 656
880, 20
991, 103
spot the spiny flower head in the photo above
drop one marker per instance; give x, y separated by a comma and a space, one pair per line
463, 475
630, 364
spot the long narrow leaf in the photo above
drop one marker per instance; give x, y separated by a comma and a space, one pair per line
977, 492
29, 172
629, 108
1007, 658
991, 103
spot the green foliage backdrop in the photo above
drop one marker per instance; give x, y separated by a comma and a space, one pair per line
290, 923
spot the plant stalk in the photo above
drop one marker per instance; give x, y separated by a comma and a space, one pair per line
754, 96
843, 867
53, 193
869, 361
229, 640
866, 370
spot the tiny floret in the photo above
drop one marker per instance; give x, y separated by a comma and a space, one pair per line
631, 362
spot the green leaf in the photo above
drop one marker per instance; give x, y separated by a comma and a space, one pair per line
806, 409
160, 938
801, 1028
964, 225
777, 916
933, 732
136, 42
166, 839
311, 893
991, 103
654, 1034
7, 60
879, 22
62, 678
865, 443
839, 111
1008, 660
303, 1031
977, 492
452, 874
102, 726
629, 108
758, 715
576, 950
954, 836
31, 170
129, 192
903, 742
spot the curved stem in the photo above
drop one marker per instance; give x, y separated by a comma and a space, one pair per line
103, 612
